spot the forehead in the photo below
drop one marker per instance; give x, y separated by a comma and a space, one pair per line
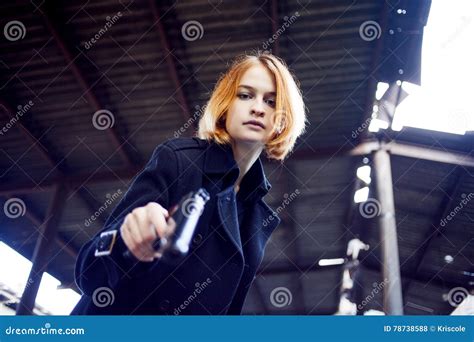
258, 77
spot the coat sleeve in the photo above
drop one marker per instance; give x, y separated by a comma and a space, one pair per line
158, 182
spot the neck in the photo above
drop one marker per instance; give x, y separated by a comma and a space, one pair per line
245, 156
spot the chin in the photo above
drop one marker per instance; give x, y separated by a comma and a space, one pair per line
246, 139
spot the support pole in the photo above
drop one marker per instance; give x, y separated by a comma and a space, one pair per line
41, 256
393, 303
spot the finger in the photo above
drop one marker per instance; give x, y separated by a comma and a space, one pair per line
146, 235
143, 232
147, 231
170, 225
131, 225
124, 233
133, 247
157, 216
158, 206
136, 241
172, 211
143, 235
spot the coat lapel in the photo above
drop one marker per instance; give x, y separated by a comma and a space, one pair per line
228, 217
221, 173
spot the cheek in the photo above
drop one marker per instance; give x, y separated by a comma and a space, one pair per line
233, 115
270, 123
230, 120
239, 107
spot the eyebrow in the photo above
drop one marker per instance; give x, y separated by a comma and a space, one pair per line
253, 89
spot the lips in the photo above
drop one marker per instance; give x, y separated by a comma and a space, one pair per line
255, 122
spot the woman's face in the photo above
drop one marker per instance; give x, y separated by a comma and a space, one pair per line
250, 116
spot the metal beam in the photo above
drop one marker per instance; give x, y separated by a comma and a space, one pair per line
393, 303
27, 134
42, 250
424, 153
366, 148
274, 9
59, 174
169, 57
73, 181
416, 152
372, 81
91, 97
447, 204
63, 244
37, 221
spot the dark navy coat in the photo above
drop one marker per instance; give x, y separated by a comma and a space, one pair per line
208, 280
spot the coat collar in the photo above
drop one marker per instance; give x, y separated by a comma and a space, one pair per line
220, 160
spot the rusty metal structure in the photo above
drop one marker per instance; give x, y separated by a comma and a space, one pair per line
139, 67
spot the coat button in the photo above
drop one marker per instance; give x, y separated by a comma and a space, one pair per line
165, 304
197, 239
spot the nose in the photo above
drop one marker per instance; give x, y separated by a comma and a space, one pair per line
257, 108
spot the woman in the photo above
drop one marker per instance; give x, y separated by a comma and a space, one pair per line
256, 106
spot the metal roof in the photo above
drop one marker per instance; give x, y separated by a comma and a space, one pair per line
153, 81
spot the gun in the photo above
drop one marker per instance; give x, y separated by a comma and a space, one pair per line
174, 245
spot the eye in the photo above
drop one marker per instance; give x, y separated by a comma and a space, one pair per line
243, 96
271, 102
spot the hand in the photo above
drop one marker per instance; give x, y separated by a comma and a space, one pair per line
142, 227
